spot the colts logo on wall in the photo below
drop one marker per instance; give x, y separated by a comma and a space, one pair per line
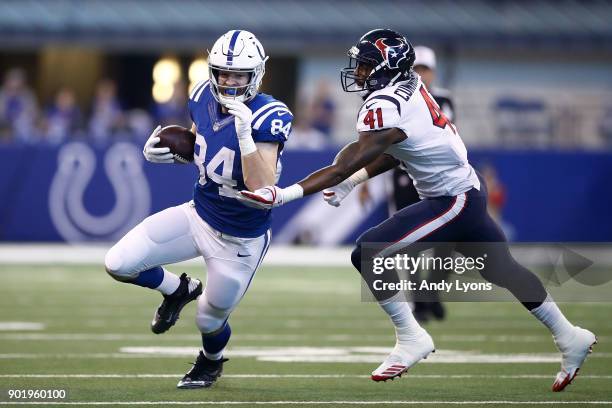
75, 171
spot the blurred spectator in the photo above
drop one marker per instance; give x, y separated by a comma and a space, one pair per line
323, 109
106, 115
304, 136
63, 118
174, 111
139, 124
18, 108
312, 127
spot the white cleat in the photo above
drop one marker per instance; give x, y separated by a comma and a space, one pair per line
405, 354
574, 351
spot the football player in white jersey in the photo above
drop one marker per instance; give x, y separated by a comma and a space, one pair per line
400, 124
240, 134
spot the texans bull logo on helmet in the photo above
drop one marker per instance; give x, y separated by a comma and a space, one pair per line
393, 51
389, 55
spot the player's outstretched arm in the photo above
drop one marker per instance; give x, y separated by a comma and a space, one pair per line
334, 195
355, 156
369, 147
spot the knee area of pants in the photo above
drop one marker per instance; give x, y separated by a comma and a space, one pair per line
113, 263
223, 295
208, 324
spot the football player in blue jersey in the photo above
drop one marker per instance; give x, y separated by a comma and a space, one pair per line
240, 135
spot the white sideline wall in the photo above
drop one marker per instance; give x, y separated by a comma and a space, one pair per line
87, 254
93, 254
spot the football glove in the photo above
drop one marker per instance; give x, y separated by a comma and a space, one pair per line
243, 117
270, 197
156, 154
334, 195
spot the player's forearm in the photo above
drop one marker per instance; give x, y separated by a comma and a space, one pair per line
257, 173
325, 178
350, 159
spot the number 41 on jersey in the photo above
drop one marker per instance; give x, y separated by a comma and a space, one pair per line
369, 118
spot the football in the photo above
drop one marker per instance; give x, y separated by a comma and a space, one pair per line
181, 142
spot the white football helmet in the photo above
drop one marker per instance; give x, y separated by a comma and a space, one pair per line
237, 51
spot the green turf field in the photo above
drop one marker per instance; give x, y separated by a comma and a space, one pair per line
300, 335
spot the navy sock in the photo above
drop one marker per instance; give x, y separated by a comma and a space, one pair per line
214, 344
151, 278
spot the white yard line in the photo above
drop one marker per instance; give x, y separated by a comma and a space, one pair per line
93, 254
21, 326
355, 354
18, 356
88, 336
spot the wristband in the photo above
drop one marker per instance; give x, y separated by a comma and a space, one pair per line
247, 145
292, 192
359, 176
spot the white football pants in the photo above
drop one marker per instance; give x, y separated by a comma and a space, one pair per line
177, 234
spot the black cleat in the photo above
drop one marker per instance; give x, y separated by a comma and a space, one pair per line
168, 312
203, 374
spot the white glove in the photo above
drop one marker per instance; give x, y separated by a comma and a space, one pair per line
243, 116
269, 197
156, 154
334, 195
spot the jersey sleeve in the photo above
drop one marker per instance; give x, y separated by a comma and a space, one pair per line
272, 123
195, 95
379, 112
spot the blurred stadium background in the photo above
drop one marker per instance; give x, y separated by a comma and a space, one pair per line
85, 82
530, 80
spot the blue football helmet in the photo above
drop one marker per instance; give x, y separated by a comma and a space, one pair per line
389, 54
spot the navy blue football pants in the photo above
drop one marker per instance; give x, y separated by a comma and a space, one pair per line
463, 221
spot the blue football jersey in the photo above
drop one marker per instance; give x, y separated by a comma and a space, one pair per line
217, 156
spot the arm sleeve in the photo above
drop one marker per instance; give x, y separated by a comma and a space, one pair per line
274, 127
379, 112
190, 107
195, 94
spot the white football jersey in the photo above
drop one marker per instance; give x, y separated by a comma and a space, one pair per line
432, 154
